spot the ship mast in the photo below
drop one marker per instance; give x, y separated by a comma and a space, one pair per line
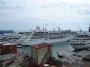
79, 28
44, 28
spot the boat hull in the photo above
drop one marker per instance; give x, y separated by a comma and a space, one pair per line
32, 42
86, 46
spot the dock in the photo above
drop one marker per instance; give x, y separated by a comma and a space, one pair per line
81, 58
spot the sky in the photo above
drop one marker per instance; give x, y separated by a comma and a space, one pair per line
24, 15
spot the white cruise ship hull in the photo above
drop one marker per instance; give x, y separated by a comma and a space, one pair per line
81, 47
37, 41
80, 44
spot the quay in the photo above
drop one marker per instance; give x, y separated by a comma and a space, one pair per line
80, 58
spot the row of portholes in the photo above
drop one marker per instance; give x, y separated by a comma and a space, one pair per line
78, 44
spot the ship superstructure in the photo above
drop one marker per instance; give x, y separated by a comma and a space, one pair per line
44, 36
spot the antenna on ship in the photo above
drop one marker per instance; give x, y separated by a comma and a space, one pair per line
44, 29
59, 29
79, 28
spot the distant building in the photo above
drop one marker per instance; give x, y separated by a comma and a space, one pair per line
8, 48
41, 53
6, 31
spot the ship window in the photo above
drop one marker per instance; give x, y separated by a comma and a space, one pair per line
73, 44
80, 44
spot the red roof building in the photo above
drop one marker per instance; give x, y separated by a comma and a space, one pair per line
41, 52
8, 49
40, 45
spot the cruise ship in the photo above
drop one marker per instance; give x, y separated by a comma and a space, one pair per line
81, 41
44, 36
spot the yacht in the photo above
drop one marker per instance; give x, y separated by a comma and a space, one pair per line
81, 41
44, 36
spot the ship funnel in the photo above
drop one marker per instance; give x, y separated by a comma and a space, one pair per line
89, 29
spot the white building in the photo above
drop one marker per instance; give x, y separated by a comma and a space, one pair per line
41, 53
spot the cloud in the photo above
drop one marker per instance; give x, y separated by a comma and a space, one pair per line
44, 11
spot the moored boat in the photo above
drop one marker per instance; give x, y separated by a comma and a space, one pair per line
81, 41
44, 36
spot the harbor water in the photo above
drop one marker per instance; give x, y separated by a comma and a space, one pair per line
63, 46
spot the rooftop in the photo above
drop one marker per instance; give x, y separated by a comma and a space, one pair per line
7, 56
6, 43
10, 44
40, 45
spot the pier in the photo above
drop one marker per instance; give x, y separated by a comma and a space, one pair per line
81, 58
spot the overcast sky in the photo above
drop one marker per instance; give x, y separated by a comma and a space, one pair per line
22, 15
